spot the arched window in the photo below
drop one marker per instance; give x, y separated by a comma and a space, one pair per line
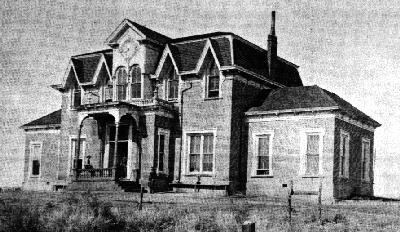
212, 80
122, 84
172, 84
136, 87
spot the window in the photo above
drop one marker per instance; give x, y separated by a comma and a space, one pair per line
344, 154
121, 84
76, 96
263, 155
161, 155
212, 80
107, 93
311, 152
172, 84
136, 87
365, 159
77, 162
35, 154
201, 152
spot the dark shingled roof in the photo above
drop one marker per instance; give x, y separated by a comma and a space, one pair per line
150, 33
53, 118
187, 55
86, 64
309, 97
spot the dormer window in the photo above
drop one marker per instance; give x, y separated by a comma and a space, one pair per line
212, 80
76, 96
172, 84
136, 86
122, 84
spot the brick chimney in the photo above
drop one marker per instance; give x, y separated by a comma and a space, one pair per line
272, 49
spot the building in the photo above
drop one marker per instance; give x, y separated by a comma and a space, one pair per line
205, 111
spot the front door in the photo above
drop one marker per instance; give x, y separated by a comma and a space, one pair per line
123, 142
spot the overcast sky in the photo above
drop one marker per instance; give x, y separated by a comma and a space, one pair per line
351, 48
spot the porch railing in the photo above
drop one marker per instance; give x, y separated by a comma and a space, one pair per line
95, 174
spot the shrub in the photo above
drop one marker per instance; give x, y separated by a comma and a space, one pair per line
19, 218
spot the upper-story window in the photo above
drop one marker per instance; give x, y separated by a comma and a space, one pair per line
76, 96
122, 84
212, 80
172, 85
136, 86
108, 93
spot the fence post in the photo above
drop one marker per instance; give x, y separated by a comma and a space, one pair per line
249, 226
141, 198
320, 202
290, 192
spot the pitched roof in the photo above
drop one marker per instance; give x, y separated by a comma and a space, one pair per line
150, 33
53, 118
186, 52
308, 97
86, 64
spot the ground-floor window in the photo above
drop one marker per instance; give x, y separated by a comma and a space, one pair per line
365, 159
311, 152
263, 154
200, 152
161, 155
35, 155
77, 160
344, 154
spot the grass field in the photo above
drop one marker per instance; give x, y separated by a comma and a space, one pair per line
65, 211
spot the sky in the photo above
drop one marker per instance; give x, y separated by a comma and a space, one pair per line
351, 48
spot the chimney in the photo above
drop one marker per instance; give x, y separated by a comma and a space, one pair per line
272, 49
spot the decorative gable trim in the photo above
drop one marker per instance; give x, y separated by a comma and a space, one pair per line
66, 74
167, 52
121, 28
97, 72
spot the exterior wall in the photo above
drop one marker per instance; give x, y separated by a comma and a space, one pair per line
245, 94
49, 138
286, 154
347, 187
200, 114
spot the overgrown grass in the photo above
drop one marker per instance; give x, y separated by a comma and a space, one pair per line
30, 211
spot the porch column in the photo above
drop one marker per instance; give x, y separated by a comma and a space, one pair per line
115, 151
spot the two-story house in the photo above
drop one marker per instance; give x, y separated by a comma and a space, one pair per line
184, 113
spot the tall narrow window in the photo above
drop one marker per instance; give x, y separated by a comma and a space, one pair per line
108, 93
76, 96
136, 88
77, 161
312, 155
201, 153
365, 159
263, 159
212, 80
173, 83
121, 84
344, 154
159, 160
35, 153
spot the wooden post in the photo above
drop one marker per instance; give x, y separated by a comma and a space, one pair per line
249, 226
290, 192
320, 202
115, 158
141, 198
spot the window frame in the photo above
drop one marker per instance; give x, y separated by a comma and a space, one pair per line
30, 169
256, 139
132, 83
124, 86
187, 136
171, 78
165, 133
210, 67
365, 171
72, 153
344, 156
74, 91
303, 151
